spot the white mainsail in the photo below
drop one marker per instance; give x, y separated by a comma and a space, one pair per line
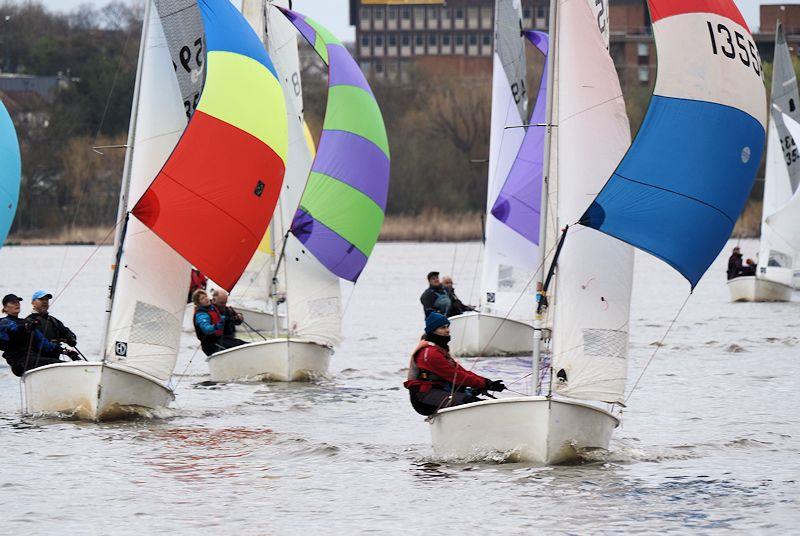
509, 260
594, 272
149, 296
783, 224
313, 302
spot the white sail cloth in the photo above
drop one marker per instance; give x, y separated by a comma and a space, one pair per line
510, 260
150, 294
313, 295
594, 272
784, 222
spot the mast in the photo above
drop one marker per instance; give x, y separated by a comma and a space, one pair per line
538, 321
122, 211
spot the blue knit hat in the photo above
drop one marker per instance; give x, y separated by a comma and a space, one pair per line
435, 321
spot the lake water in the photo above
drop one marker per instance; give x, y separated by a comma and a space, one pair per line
710, 441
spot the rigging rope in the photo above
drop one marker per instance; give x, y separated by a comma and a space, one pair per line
658, 347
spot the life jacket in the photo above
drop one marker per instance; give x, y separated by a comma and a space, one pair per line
216, 318
422, 379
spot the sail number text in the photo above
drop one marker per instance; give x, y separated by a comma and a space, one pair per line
789, 150
733, 45
519, 91
186, 55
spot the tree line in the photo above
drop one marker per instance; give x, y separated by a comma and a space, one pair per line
438, 125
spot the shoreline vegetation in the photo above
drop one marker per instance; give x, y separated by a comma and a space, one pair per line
428, 227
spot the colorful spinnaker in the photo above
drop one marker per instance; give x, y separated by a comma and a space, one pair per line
680, 189
10, 170
342, 208
212, 200
519, 203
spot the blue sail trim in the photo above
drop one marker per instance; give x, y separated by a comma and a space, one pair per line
9, 172
682, 185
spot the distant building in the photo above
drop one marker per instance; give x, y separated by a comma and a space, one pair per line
789, 15
44, 86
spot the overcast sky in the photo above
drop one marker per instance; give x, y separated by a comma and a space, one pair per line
334, 13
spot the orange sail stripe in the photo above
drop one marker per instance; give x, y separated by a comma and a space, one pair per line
220, 185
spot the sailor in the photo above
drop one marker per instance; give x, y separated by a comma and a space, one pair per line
435, 297
735, 263
209, 325
24, 347
457, 307
232, 317
51, 327
749, 267
435, 379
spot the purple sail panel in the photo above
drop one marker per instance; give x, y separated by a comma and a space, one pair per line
299, 22
337, 254
518, 204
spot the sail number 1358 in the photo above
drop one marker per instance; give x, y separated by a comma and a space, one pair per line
734, 46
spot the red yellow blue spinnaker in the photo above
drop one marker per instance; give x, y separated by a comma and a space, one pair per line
213, 199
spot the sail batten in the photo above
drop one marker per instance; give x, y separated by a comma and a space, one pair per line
680, 188
342, 208
224, 177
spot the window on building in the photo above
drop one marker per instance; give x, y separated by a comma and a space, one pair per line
378, 67
459, 40
473, 39
540, 12
418, 40
644, 74
446, 40
406, 13
392, 40
459, 14
364, 40
365, 14
378, 13
445, 14
433, 40
433, 13
527, 13
392, 12
378, 40
487, 39
643, 49
406, 40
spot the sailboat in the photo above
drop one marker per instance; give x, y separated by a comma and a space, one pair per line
330, 211
503, 325
10, 172
170, 191
675, 194
777, 258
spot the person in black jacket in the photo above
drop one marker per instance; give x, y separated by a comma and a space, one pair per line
735, 263
232, 317
24, 347
51, 327
457, 307
435, 298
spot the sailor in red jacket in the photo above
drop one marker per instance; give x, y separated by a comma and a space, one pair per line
433, 373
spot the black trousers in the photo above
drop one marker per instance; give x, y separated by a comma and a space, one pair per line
21, 366
438, 398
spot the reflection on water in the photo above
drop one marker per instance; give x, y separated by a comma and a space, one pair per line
708, 443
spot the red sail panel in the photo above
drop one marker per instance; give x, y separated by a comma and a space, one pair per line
213, 199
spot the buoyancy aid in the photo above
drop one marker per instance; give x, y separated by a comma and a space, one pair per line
216, 318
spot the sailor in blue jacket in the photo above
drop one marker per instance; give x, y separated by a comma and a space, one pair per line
24, 347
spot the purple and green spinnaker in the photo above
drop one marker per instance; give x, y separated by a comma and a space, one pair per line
519, 203
342, 208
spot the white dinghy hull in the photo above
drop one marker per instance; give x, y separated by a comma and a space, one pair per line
751, 289
524, 429
261, 321
480, 334
93, 391
284, 360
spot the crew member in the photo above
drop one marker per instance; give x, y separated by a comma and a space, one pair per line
209, 325
435, 379
457, 307
51, 327
435, 298
24, 347
735, 263
232, 318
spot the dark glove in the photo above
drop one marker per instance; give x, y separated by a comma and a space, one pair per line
72, 354
72, 342
495, 385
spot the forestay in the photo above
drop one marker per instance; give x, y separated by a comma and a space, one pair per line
211, 201
149, 292
10, 171
510, 259
183, 29
594, 272
342, 208
313, 302
684, 182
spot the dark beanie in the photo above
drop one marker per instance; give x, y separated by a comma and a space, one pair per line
435, 321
